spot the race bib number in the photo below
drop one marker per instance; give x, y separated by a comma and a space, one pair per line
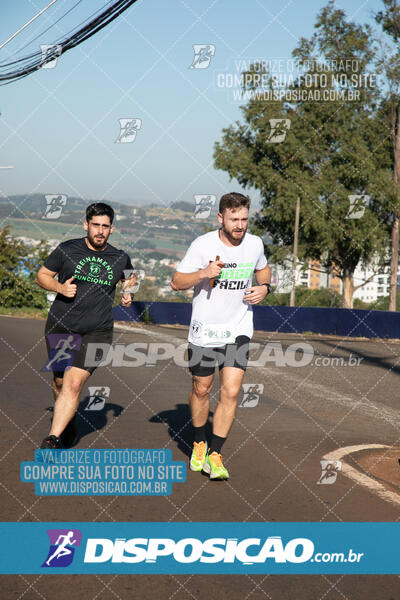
217, 335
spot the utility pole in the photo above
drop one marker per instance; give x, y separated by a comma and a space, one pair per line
295, 245
394, 259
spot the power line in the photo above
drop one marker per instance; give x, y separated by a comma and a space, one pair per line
50, 27
36, 60
28, 23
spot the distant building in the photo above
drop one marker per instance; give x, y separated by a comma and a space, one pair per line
376, 288
314, 277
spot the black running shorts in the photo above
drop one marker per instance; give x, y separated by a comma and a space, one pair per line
68, 349
202, 360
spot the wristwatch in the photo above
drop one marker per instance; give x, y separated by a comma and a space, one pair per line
267, 285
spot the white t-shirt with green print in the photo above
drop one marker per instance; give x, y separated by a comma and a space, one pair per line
220, 313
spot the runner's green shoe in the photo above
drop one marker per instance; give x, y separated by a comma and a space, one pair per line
198, 456
214, 467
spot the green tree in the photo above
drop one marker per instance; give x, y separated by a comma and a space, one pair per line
18, 267
322, 297
383, 302
326, 157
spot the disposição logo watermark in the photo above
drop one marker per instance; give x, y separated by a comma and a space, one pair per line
251, 394
279, 129
128, 129
97, 397
132, 278
358, 204
203, 205
62, 547
62, 348
203, 54
50, 54
54, 205
150, 354
330, 471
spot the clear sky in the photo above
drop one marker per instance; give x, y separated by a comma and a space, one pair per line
58, 126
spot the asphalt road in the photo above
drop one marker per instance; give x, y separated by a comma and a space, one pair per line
323, 394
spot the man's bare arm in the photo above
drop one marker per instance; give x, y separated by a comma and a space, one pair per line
263, 275
45, 279
184, 281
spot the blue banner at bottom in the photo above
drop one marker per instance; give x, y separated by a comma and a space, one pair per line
200, 548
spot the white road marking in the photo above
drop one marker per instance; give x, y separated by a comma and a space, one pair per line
360, 478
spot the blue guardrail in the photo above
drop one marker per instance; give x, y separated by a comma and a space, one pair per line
285, 319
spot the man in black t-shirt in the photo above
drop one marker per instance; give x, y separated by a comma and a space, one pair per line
88, 271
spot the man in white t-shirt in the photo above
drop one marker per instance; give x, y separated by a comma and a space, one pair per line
220, 265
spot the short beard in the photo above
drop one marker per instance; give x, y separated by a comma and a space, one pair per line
232, 240
96, 244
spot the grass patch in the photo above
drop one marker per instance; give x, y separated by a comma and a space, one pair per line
26, 311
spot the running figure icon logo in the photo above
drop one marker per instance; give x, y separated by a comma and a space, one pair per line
203, 205
251, 394
136, 276
97, 397
62, 346
54, 205
50, 54
202, 55
128, 130
358, 204
61, 551
279, 129
330, 469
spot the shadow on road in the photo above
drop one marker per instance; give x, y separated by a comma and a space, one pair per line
179, 426
88, 421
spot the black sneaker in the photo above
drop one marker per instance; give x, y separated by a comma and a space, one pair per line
50, 442
70, 434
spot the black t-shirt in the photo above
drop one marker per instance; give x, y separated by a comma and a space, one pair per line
96, 275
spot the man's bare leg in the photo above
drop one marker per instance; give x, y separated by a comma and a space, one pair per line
199, 400
230, 384
68, 399
56, 386
199, 403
